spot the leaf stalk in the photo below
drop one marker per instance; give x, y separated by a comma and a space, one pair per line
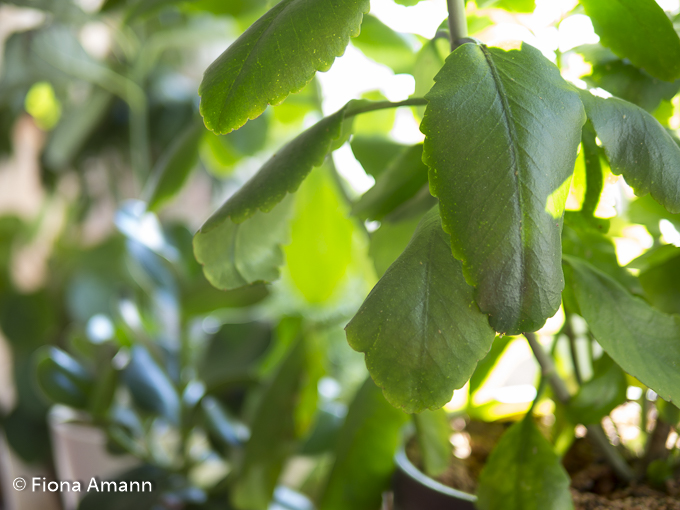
457, 22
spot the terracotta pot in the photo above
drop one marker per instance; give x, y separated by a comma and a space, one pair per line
413, 490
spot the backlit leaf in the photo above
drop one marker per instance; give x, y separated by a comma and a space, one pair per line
600, 395
382, 44
277, 55
420, 327
502, 131
433, 431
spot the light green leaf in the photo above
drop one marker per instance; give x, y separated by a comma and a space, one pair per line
502, 131
420, 327
400, 182
509, 5
433, 432
277, 55
429, 61
321, 238
600, 395
174, 167
638, 148
364, 452
642, 340
523, 473
640, 31
238, 254
272, 437
375, 152
661, 282
487, 364
382, 44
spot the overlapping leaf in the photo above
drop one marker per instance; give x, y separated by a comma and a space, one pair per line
502, 131
600, 395
640, 31
420, 327
638, 148
642, 340
524, 473
277, 55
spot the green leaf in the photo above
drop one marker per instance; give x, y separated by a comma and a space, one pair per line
668, 412
661, 283
600, 395
238, 254
420, 327
401, 181
321, 238
502, 130
282, 174
632, 84
486, 365
174, 167
364, 453
62, 378
277, 55
524, 6
429, 61
150, 386
389, 241
382, 44
640, 31
523, 473
375, 152
648, 212
638, 148
433, 432
640, 339
272, 437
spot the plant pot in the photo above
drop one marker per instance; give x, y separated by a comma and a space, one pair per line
414, 490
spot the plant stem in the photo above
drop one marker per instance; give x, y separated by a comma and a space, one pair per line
572, 349
383, 105
457, 22
595, 432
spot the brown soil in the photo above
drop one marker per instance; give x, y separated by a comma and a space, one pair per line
593, 484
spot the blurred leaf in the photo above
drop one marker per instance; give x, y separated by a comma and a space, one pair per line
375, 152
521, 133
407, 328
372, 124
429, 61
632, 84
638, 148
509, 5
324, 434
272, 437
648, 212
220, 7
364, 453
27, 320
597, 397
487, 364
201, 298
433, 432
401, 181
251, 74
224, 427
594, 176
639, 338
389, 241
640, 31
151, 388
27, 435
414, 207
104, 391
62, 378
661, 283
668, 412
174, 166
382, 44
659, 471
321, 238
523, 473
238, 254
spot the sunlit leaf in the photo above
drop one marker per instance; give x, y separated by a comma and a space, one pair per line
502, 130
420, 327
277, 55
382, 44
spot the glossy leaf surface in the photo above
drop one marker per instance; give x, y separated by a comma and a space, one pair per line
640, 339
277, 55
523, 473
640, 31
502, 131
364, 453
420, 327
638, 148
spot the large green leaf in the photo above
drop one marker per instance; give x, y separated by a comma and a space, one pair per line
389, 241
401, 181
600, 395
364, 452
382, 44
502, 131
640, 31
638, 148
420, 327
277, 55
523, 473
272, 437
642, 340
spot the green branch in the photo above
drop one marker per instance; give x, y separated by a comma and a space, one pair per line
457, 22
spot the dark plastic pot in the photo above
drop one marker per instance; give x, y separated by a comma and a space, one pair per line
413, 490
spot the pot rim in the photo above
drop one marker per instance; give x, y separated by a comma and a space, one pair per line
412, 471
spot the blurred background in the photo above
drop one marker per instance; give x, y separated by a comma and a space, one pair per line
116, 354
